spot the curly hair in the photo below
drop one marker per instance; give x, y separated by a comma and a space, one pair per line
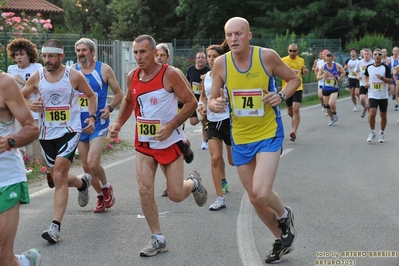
22, 44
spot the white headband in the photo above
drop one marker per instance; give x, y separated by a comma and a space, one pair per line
52, 50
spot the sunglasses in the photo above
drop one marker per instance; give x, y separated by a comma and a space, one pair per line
292, 51
378, 54
161, 55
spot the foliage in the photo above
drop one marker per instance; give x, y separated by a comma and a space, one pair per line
94, 17
34, 165
24, 24
370, 41
182, 62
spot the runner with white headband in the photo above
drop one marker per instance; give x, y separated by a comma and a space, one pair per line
60, 126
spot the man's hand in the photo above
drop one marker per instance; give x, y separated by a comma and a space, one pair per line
90, 125
220, 102
271, 98
114, 129
38, 105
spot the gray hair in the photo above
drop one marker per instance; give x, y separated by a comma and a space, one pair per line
151, 40
88, 42
163, 46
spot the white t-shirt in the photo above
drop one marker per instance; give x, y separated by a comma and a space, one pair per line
25, 74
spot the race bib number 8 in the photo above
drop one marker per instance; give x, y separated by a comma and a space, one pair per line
59, 116
248, 102
147, 129
196, 87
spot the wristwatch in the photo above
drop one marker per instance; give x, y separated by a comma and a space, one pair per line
282, 96
110, 108
11, 142
94, 116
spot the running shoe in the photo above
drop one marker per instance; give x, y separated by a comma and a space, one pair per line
109, 198
355, 109
363, 114
293, 136
188, 152
164, 193
287, 228
382, 138
396, 107
200, 194
50, 181
52, 234
153, 248
225, 186
204, 145
34, 256
100, 207
331, 123
220, 203
371, 137
335, 118
322, 108
83, 196
277, 253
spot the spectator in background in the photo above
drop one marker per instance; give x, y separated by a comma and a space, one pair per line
195, 75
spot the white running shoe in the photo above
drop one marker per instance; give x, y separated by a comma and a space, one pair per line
331, 123
52, 234
371, 137
363, 114
204, 145
219, 204
355, 109
382, 138
83, 196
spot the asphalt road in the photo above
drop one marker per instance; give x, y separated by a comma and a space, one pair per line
343, 191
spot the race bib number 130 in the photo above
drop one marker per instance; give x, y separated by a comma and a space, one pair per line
147, 129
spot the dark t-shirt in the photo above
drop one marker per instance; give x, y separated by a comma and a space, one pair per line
194, 75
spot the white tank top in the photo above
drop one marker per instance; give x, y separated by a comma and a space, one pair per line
61, 114
12, 166
211, 116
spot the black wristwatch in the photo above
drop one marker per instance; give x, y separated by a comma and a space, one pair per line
94, 116
110, 108
11, 142
282, 96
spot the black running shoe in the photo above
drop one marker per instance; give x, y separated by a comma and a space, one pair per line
277, 253
187, 152
287, 228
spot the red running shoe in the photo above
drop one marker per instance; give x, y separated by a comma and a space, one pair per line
100, 207
109, 199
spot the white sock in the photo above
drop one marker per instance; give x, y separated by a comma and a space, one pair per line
285, 215
23, 260
381, 132
105, 186
160, 238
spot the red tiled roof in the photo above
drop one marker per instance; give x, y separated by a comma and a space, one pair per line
32, 6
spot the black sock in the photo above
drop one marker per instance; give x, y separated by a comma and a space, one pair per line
84, 185
57, 223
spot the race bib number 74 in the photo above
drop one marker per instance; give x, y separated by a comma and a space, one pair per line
248, 102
